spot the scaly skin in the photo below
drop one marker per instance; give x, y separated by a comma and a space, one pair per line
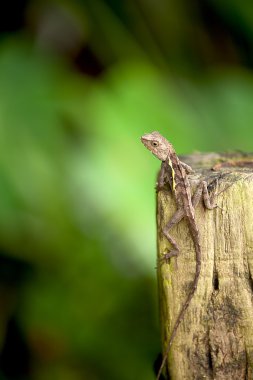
180, 186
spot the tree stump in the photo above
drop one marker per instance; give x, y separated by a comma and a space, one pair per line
215, 338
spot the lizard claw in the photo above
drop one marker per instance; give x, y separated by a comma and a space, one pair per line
158, 187
222, 209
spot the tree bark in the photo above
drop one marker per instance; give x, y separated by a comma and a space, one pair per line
215, 338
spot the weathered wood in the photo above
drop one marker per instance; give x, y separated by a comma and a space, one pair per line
215, 339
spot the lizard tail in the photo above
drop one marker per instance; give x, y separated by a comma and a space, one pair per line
181, 314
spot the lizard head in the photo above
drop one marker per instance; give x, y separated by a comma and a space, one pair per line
157, 144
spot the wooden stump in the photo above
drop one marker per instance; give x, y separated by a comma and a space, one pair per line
215, 339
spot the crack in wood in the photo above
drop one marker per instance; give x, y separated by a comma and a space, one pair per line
210, 361
215, 280
246, 365
250, 279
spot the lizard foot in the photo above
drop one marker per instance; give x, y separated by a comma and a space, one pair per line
167, 256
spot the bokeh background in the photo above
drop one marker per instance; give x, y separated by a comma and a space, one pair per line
80, 82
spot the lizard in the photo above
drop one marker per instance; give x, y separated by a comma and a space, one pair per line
176, 173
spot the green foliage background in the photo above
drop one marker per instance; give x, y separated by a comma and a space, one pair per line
80, 82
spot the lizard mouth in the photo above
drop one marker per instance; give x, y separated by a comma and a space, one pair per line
143, 140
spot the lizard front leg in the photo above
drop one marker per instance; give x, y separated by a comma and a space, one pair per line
164, 176
187, 168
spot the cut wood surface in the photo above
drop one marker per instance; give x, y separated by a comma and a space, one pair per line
215, 338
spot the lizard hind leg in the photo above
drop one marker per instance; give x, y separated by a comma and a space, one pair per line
179, 214
202, 192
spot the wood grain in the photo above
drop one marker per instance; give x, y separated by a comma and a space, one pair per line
215, 339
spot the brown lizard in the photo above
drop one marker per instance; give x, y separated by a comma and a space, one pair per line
176, 173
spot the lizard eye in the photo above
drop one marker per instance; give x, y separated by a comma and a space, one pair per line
155, 143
